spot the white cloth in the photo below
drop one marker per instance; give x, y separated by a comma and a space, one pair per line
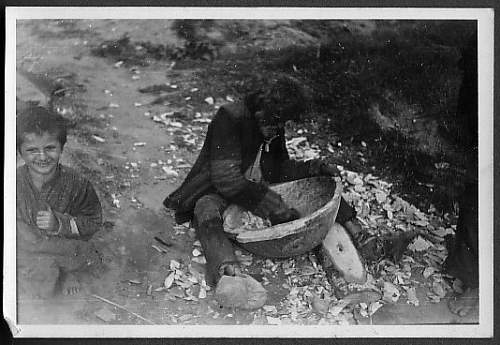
254, 171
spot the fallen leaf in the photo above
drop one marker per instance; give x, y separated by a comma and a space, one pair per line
422, 223
170, 172
381, 197
433, 298
438, 289
419, 244
116, 201
320, 305
98, 139
363, 311
374, 307
442, 232
174, 264
336, 308
458, 286
203, 293
200, 260
354, 179
176, 124
169, 280
428, 271
412, 296
391, 292
270, 309
159, 249
209, 100
273, 320
196, 252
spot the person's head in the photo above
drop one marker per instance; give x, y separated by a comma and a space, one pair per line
281, 100
40, 138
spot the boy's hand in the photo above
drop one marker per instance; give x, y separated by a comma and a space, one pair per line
46, 220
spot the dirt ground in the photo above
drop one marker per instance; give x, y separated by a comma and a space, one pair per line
128, 154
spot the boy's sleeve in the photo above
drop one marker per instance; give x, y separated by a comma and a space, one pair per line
86, 217
226, 175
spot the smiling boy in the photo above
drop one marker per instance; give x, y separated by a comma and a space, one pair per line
56, 209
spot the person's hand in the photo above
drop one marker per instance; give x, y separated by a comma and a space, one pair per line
329, 170
46, 220
284, 216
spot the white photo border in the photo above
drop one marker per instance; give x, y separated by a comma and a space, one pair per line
485, 26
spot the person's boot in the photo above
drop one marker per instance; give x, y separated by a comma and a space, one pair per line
237, 290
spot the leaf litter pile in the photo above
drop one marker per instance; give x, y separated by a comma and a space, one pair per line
310, 297
313, 297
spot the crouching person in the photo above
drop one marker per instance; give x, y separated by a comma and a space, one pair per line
463, 259
243, 153
57, 210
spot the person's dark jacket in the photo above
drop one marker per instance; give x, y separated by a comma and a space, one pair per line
232, 142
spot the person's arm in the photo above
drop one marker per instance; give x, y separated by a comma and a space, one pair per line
86, 215
291, 170
228, 179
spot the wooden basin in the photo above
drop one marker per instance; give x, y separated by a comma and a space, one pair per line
317, 199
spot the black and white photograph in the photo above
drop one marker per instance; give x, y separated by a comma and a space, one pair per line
249, 172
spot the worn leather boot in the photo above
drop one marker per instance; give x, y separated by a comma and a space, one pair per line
240, 291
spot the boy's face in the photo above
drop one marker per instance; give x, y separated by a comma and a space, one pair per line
41, 153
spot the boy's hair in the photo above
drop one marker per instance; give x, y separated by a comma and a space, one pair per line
284, 96
39, 120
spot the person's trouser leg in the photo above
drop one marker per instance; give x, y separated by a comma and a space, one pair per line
463, 261
37, 276
209, 227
